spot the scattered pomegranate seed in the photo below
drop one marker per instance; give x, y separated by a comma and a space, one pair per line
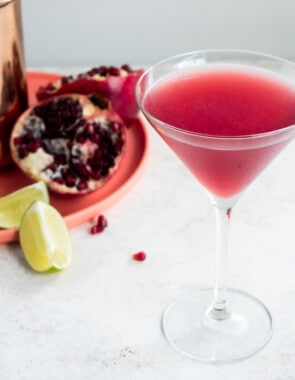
101, 221
100, 225
139, 256
96, 229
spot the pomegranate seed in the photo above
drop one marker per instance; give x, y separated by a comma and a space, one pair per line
28, 137
89, 130
82, 185
34, 145
96, 175
126, 68
99, 101
139, 256
64, 80
22, 151
60, 181
81, 139
115, 126
100, 225
96, 229
101, 221
103, 71
50, 87
18, 140
114, 71
60, 158
69, 177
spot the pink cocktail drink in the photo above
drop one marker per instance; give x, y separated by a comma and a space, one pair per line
228, 101
226, 114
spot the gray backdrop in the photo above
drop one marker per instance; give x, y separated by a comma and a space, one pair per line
93, 32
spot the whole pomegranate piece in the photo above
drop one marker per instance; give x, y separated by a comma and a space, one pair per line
116, 84
74, 143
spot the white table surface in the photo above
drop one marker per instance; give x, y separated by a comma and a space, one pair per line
100, 318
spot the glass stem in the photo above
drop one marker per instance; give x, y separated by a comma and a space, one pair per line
219, 308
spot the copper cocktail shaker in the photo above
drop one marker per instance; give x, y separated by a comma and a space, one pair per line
13, 87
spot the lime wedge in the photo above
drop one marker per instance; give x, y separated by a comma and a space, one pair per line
44, 238
13, 205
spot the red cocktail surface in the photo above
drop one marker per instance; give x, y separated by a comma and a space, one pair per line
222, 101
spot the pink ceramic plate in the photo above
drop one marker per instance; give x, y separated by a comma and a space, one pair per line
78, 209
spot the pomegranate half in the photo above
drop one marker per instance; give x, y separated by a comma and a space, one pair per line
74, 143
116, 84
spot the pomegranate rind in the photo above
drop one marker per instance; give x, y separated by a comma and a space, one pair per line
34, 165
117, 88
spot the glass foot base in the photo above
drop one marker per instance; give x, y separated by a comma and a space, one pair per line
190, 328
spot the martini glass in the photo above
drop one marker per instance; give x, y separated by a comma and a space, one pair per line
226, 114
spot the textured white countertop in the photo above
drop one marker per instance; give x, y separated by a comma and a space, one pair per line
101, 318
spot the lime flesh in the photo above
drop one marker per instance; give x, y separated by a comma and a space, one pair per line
13, 205
44, 238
